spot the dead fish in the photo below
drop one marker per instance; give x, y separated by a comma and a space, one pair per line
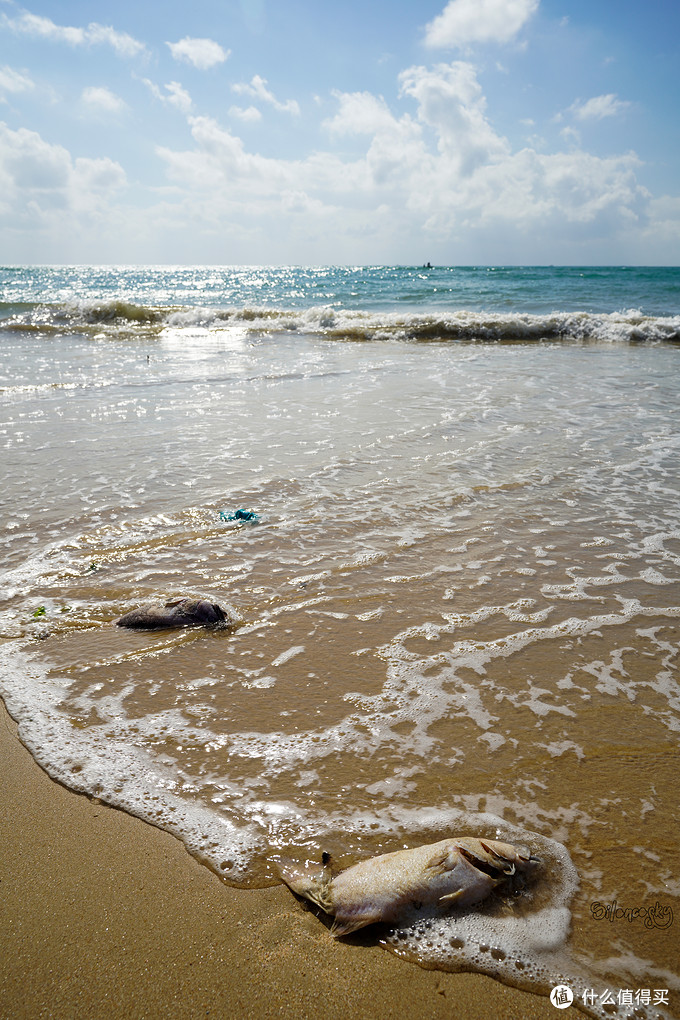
181, 612
454, 872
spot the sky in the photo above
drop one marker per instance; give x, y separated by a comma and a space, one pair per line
375, 132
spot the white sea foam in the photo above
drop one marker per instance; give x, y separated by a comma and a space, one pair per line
526, 948
290, 653
115, 770
348, 324
461, 325
377, 693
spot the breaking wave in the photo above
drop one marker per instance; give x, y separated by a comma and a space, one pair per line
124, 318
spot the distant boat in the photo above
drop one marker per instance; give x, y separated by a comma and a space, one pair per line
428, 265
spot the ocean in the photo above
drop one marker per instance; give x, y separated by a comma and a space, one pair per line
456, 612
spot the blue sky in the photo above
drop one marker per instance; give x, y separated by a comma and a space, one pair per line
247, 131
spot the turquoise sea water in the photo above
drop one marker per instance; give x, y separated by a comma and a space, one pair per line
458, 613
363, 302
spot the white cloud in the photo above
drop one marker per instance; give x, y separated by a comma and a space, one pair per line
429, 167
42, 186
599, 107
257, 88
451, 101
248, 113
570, 192
13, 81
178, 96
396, 148
99, 100
31, 165
32, 24
359, 113
204, 166
202, 53
469, 21
122, 43
299, 202
441, 172
174, 95
571, 135
94, 178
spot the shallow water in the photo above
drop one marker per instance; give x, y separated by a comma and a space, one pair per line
458, 613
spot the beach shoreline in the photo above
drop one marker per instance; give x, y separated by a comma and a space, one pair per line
104, 916
458, 615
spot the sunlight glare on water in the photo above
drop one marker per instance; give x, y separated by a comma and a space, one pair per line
458, 611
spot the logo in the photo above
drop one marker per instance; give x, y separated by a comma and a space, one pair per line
561, 996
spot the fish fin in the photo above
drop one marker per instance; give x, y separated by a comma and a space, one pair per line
451, 897
441, 863
340, 928
309, 880
506, 865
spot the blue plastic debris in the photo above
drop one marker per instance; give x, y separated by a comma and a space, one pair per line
240, 515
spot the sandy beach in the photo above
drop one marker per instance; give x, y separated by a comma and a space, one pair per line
104, 916
455, 614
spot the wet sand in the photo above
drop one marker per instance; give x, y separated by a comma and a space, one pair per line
104, 916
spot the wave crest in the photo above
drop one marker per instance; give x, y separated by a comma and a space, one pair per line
125, 317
